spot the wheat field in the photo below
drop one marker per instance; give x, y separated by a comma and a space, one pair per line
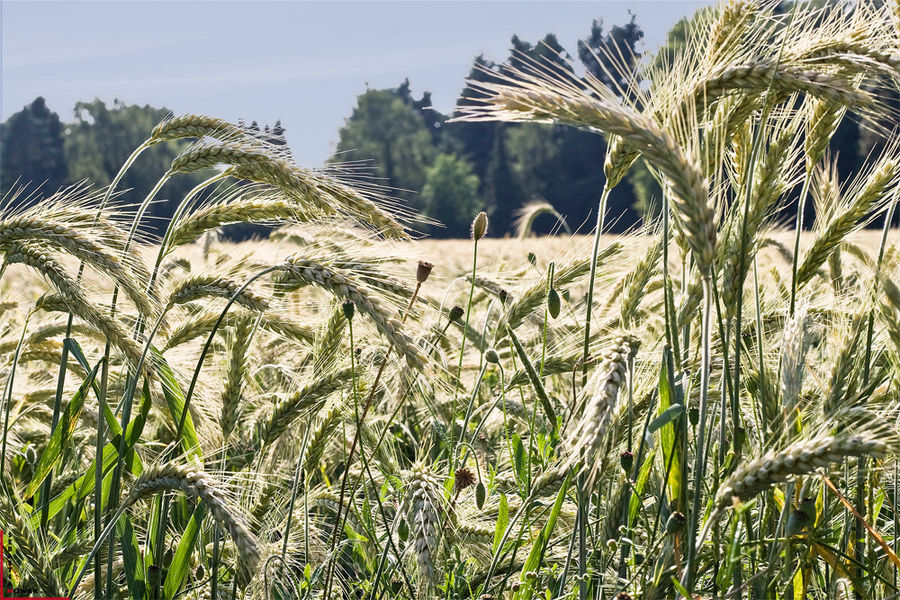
706, 407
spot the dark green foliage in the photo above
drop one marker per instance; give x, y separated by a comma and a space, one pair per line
31, 149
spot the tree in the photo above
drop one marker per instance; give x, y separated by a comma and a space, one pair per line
611, 57
100, 140
391, 134
32, 149
451, 194
548, 52
434, 120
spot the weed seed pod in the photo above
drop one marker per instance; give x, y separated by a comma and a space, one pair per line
553, 302
456, 313
480, 495
479, 226
423, 271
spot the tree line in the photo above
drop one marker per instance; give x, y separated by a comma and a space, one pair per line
445, 170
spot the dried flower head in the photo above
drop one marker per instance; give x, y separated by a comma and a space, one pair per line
464, 478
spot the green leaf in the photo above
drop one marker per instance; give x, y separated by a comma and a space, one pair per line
181, 562
131, 558
520, 462
61, 436
667, 416
643, 475
176, 402
667, 432
502, 522
533, 562
682, 591
76, 351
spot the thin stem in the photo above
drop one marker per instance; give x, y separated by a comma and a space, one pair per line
9, 391
462, 346
700, 460
598, 232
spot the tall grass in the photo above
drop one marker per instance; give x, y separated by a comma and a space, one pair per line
306, 417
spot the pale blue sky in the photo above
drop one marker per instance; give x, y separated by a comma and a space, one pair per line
301, 62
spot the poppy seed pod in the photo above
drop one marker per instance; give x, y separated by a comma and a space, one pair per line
626, 459
464, 478
456, 313
553, 303
675, 523
349, 309
423, 271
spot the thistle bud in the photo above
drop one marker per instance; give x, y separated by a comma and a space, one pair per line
456, 313
423, 271
491, 356
626, 459
349, 309
553, 303
479, 226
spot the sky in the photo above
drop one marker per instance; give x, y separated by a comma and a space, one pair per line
301, 62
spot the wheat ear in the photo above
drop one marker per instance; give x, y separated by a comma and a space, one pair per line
343, 286
205, 286
799, 458
589, 435
238, 356
201, 486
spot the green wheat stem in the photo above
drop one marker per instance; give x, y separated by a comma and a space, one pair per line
598, 232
